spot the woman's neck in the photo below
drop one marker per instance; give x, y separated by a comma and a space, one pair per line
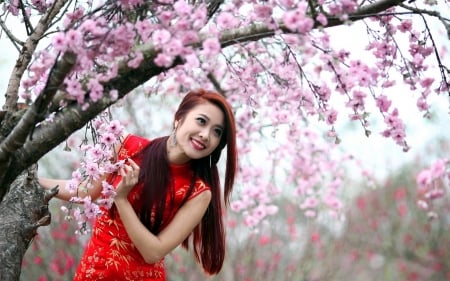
174, 153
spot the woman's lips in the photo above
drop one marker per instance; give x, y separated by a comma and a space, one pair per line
198, 145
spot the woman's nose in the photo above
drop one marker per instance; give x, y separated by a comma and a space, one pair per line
204, 135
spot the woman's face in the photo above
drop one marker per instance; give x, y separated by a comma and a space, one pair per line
198, 134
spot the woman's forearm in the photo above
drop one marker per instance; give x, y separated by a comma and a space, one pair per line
155, 247
147, 244
63, 193
66, 195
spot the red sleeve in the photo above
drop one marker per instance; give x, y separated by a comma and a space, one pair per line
131, 146
200, 186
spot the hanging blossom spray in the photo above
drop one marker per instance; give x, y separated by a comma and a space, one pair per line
98, 159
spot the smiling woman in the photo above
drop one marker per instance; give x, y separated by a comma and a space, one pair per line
197, 134
168, 190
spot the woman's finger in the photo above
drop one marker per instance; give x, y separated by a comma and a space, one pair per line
133, 164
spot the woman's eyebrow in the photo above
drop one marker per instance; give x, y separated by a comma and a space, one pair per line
204, 115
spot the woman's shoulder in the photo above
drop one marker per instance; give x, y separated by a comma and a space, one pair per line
131, 145
199, 187
132, 138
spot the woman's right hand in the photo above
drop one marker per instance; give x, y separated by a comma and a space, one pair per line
130, 177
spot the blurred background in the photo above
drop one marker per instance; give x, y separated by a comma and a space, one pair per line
380, 235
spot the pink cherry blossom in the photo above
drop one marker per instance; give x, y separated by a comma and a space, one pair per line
322, 19
263, 12
136, 60
211, 47
310, 213
164, 60
173, 48
130, 4
426, 82
288, 3
96, 152
105, 202
226, 20
405, 25
388, 83
95, 89
107, 189
424, 178
114, 94
331, 116
189, 37
383, 103
74, 88
422, 204
72, 186
250, 221
160, 37
108, 139
309, 202
297, 21
92, 170
91, 210
422, 104
59, 42
182, 8
144, 28
438, 169
73, 39
237, 206
434, 193
348, 6
115, 127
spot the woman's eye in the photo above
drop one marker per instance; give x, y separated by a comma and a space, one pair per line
201, 120
218, 132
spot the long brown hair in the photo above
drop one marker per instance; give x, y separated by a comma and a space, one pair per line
208, 237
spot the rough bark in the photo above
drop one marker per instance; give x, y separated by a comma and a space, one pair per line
22, 211
26, 53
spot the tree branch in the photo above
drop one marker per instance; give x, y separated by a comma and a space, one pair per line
24, 59
74, 117
436, 14
34, 114
26, 19
14, 40
259, 31
22, 211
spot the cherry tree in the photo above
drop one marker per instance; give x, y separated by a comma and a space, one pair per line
277, 62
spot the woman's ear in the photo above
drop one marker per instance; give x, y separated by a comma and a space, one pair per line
175, 124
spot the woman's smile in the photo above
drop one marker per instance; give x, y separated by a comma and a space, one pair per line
198, 145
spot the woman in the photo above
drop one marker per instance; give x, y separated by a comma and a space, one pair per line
168, 194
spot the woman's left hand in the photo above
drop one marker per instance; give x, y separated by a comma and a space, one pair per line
130, 177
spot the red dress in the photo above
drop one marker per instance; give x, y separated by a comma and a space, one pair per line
110, 255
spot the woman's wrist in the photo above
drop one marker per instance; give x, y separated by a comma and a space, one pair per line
121, 200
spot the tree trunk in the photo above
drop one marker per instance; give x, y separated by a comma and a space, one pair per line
22, 211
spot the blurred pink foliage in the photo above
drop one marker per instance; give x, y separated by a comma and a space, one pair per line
382, 235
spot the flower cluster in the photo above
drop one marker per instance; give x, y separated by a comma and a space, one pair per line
432, 184
98, 160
